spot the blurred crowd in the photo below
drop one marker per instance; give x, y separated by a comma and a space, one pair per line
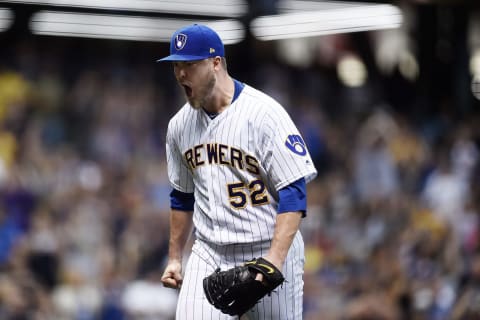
392, 230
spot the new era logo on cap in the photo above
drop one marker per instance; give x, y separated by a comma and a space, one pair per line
194, 42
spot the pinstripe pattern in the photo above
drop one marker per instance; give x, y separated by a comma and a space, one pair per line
255, 125
284, 303
235, 164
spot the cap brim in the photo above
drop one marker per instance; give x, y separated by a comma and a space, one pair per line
181, 57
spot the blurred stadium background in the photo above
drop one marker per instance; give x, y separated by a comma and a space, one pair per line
385, 93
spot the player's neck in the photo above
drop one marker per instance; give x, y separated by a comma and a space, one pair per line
222, 95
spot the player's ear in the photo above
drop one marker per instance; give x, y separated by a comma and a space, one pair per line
217, 63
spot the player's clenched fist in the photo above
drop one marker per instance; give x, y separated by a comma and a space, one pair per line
172, 276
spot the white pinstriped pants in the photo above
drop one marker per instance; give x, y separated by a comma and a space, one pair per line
285, 303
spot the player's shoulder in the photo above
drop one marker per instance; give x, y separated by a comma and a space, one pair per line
262, 102
260, 98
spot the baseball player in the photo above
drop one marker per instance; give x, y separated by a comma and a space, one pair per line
238, 167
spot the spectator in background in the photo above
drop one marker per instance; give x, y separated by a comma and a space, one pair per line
445, 192
81, 183
375, 173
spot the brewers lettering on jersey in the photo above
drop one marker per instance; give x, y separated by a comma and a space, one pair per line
238, 167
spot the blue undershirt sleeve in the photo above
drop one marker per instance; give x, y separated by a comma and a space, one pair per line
293, 197
181, 200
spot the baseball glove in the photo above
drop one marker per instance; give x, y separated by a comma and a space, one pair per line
235, 291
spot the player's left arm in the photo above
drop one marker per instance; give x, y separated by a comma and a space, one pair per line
291, 208
286, 227
285, 158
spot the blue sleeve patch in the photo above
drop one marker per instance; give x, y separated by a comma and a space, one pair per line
296, 144
293, 197
181, 200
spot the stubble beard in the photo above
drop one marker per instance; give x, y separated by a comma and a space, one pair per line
205, 94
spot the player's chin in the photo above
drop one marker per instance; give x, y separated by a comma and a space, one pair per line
195, 104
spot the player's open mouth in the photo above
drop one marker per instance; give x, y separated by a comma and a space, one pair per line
188, 90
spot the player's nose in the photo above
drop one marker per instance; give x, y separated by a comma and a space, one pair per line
180, 72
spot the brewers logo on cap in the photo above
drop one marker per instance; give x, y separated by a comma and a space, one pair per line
180, 41
193, 43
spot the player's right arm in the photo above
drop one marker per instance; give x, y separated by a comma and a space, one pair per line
181, 204
181, 223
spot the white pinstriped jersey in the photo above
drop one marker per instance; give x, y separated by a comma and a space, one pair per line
235, 164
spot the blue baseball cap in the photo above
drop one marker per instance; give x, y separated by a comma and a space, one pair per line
194, 42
